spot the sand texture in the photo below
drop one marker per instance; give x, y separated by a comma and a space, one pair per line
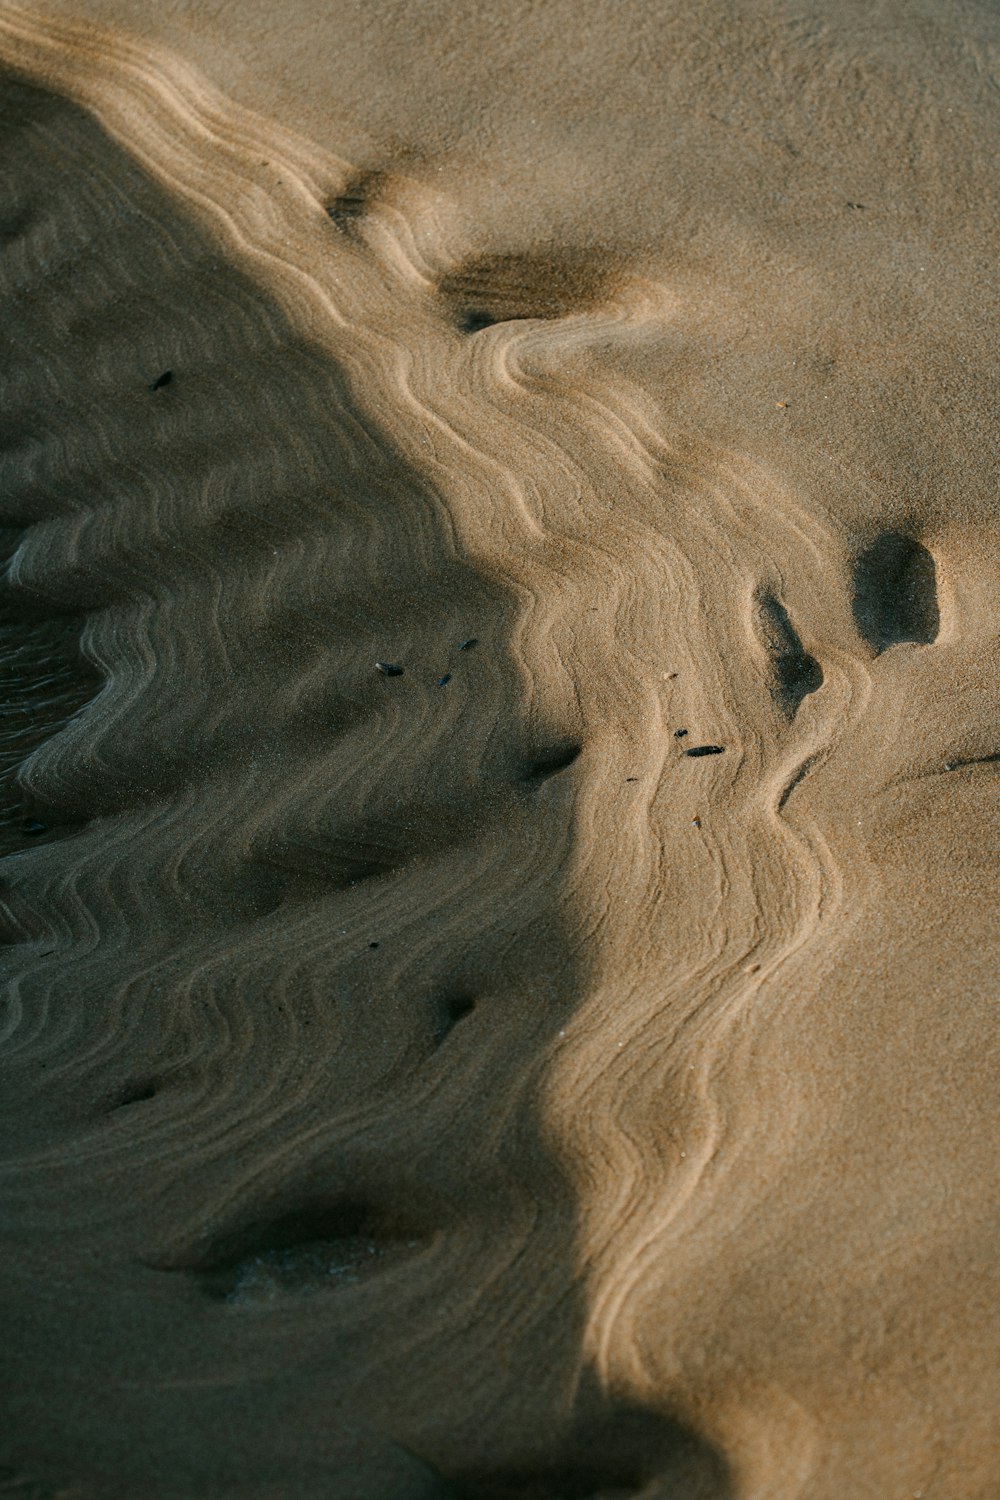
500, 750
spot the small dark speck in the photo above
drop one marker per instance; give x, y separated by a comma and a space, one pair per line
161, 380
32, 825
857, 205
950, 765
444, 679
373, 945
389, 669
679, 734
631, 778
705, 750
468, 645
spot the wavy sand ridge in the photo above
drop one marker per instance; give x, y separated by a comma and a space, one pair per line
413, 1075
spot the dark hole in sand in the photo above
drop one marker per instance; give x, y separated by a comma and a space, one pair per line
796, 780
141, 1091
895, 593
551, 762
354, 201
794, 673
498, 288
453, 1009
475, 322
353, 874
315, 1248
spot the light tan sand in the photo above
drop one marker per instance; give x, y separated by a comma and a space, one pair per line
458, 1090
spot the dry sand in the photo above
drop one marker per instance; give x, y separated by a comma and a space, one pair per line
425, 1089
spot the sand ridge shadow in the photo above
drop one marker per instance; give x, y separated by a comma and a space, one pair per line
325, 1120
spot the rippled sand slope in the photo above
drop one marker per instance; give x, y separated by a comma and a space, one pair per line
500, 752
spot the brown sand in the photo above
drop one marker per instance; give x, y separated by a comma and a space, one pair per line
444, 1091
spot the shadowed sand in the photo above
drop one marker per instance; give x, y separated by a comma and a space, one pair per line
500, 761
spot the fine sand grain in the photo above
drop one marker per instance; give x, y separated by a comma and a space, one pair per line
500, 750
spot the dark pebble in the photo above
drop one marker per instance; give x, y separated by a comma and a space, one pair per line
373, 945
679, 734
468, 645
161, 380
444, 679
32, 825
389, 669
706, 750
